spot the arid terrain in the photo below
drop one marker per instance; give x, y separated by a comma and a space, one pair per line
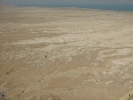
65, 54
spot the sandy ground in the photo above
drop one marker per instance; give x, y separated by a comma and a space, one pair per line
65, 54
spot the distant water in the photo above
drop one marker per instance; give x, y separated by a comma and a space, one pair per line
118, 7
128, 7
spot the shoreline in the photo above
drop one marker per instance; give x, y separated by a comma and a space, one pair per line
67, 8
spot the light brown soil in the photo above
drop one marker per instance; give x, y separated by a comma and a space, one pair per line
65, 54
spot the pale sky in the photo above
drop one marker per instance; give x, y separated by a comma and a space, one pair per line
61, 2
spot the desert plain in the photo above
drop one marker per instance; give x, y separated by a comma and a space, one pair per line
65, 54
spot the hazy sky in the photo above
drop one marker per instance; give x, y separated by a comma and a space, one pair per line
61, 2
